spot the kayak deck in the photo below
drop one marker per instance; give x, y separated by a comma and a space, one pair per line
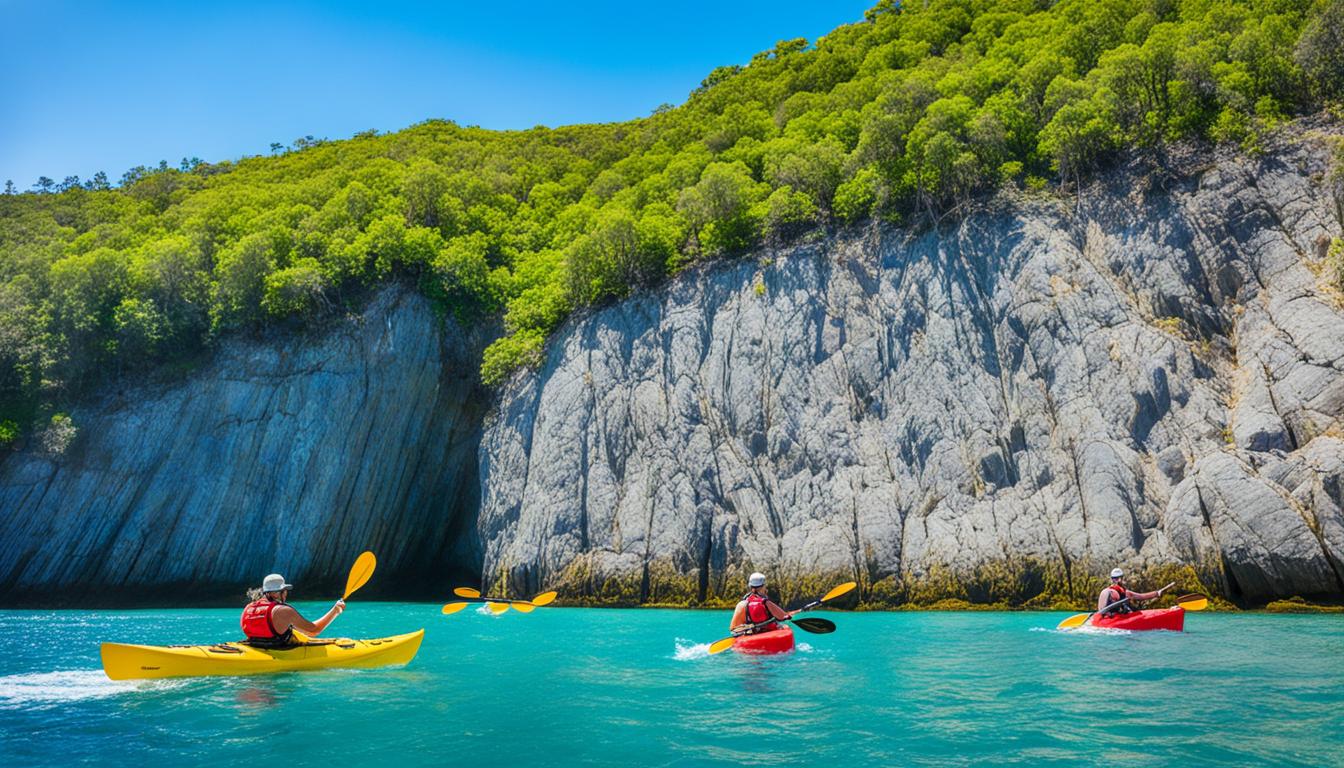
138, 662
1170, 619
775, 641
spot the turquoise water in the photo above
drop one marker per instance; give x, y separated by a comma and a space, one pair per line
628, 687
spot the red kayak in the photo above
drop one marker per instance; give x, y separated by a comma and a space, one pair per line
1170, 619
775, 641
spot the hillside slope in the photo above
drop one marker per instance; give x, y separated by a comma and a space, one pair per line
903, 116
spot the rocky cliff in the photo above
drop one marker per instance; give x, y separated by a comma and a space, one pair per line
1001, 408
997, 409
293, 454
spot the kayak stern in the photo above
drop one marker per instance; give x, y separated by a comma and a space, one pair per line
775, 641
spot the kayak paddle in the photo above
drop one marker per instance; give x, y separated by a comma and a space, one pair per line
498, 604
1079, 619
817, 626
808, 624
360, 573
1195, 602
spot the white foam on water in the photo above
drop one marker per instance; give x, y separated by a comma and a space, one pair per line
804, 648
688, 650
45, 689
1086, 629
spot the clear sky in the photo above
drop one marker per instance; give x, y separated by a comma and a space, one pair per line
88, 86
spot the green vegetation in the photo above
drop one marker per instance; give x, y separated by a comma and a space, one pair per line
1298, 605
904, 116
1029, 583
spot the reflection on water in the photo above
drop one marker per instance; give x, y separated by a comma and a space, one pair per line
755, 675
256, 700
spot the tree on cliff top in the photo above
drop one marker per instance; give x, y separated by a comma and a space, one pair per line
907, 114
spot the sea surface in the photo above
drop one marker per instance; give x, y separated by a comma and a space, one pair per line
566, 686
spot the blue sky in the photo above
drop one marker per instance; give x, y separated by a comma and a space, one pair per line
106, 86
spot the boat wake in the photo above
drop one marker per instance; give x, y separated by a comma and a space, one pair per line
688, 650
48, 689
1086, 629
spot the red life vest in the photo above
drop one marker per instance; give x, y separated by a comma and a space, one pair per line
1120, 594
257, 624
757, 612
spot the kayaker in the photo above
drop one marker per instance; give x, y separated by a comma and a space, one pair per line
268, 612
1116, 591
757, 607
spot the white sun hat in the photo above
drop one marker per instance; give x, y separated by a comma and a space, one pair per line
1117, 573
757, 580
275, 583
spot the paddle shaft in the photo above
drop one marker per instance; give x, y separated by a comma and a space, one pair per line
1118, 603
497, 600
1110, 607
744, 630
747, 628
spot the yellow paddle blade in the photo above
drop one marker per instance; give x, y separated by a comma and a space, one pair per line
721, 645
498, 608
1076, 620
1193, 602
838, 591
523, 606
360, 573
466, 592
454, 607
545, 598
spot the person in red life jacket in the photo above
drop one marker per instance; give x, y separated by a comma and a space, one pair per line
755, 608
1116, 592
269, 622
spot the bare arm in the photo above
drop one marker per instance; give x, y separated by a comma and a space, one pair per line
286, 615
776, 611
739, 616
1150, 595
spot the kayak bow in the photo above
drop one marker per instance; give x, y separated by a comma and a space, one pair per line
138, 662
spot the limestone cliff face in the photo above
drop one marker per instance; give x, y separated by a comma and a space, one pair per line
289, 455
1149, 376
998, 409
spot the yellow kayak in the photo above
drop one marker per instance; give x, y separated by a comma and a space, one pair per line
136, 662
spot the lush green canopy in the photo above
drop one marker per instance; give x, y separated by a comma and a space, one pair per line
906, 114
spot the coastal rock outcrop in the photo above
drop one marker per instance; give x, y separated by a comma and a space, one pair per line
290, 454
1000, 408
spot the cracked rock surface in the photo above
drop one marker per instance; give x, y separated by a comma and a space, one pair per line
291, 455
1150, 376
